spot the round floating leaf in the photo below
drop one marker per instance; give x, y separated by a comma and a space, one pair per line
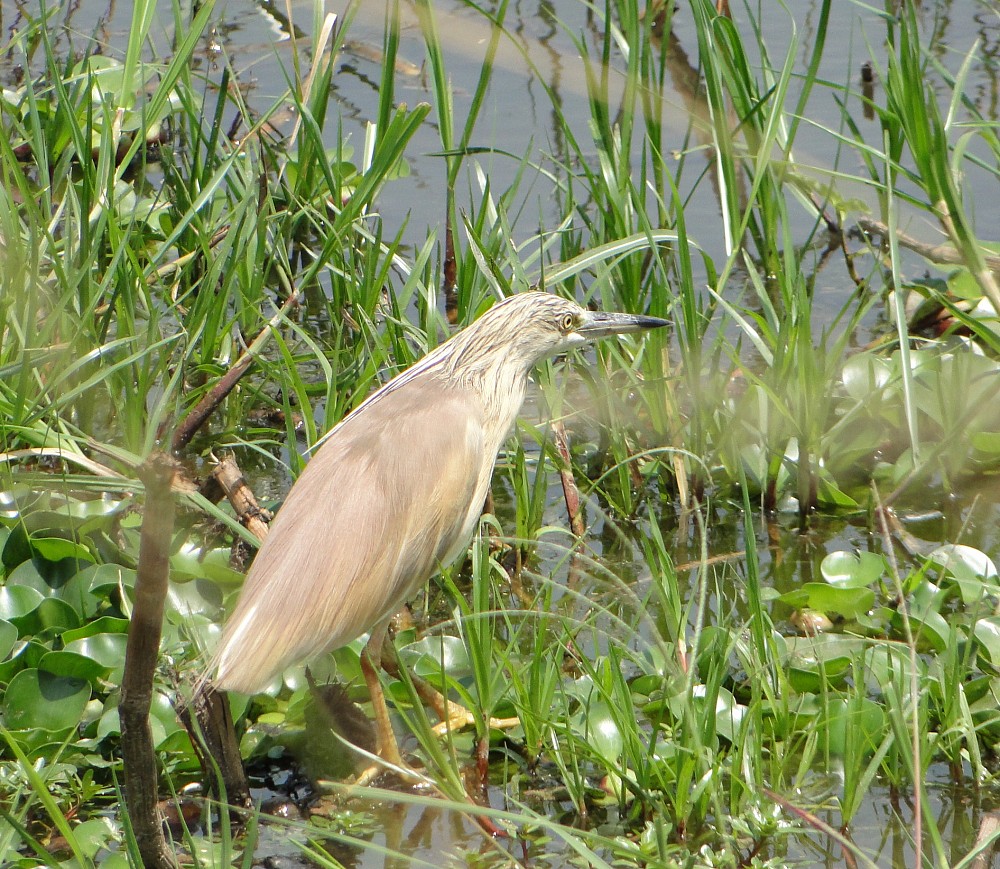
195, 597
848, 602
26, 574
60, 579
429, 654
852, 569
930, 629
107, 579
16, 549
109, 724
60, 549
830, 495
974, 572
36, 699
8, 637
93, 835
854, 728
76, 592
728, 715
865, 374
818, 663
18, 658
600, 730
115, 860
103, 625
9, 498
72, 665
194, 562
889, 664
163, 721
56, 615
107, 650
987, 634
987, 445
18, 604
322, 669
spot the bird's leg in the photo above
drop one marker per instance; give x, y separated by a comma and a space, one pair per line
445, 708
371, 661
454, 716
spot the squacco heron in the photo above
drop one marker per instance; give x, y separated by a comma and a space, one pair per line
394, 494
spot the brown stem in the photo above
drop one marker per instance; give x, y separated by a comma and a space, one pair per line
230, 478
217, 394
938, 253
450, 278
215, 733
142, 650
214, 740
571, 494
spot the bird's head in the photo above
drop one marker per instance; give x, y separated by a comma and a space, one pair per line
525, 328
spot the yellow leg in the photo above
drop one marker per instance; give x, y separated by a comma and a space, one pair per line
371, 662
453, 715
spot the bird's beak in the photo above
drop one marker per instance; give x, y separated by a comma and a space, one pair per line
599, 324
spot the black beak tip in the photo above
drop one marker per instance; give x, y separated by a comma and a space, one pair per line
645, 322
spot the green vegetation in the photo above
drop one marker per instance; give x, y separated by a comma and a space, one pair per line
668, 711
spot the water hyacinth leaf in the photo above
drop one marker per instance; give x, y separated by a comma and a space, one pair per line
36, 699
16, 548
106, 579
854, 726
19, 657
103, 625
852, 569
93, 835
194, 597
178, 742
59, 549
72, 665
195, 562
973, 571
55, 615
429, 655
10, 500
729, 715
848, 602
8, 637
47, 576
987, 446
322, 670
108, 650
820, 662
987, 634
595, 724
59, 580
865, 375
829, 494
17, 606
930, 629
983, 706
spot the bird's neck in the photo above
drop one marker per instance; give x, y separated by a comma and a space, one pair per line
500, 390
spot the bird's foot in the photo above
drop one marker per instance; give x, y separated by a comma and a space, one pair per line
400, 772
454, 716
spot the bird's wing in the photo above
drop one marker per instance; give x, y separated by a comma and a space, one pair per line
396, 490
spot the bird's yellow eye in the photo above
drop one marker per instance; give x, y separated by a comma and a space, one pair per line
567, 323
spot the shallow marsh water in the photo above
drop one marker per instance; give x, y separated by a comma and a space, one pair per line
518, 120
